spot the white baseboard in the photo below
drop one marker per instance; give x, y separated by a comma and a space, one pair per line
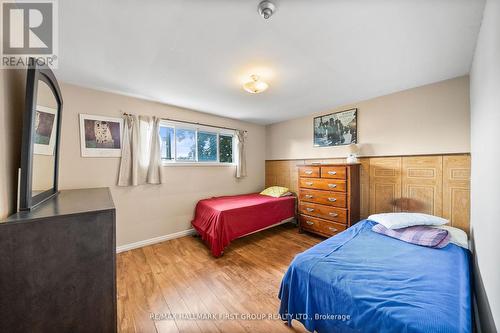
146, 242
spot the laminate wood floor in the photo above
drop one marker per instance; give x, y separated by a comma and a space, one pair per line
179, 277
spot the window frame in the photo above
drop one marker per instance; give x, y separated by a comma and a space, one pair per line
198, 128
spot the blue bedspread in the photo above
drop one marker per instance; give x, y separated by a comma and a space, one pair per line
361, 281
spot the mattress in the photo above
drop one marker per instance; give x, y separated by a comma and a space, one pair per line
361, 281
220, 220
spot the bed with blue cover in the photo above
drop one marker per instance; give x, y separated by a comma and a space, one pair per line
362, 281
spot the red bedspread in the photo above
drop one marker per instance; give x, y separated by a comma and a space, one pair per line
220, 220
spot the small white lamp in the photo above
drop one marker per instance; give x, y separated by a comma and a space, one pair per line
352, 153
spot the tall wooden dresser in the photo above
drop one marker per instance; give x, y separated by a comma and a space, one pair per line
328, 197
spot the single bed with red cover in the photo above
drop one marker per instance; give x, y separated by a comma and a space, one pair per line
220, 220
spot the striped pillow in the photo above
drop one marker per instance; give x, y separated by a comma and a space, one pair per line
419, 235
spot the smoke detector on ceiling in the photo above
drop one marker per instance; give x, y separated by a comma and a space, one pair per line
266, 9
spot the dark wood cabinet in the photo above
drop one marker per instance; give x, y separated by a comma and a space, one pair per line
57, 265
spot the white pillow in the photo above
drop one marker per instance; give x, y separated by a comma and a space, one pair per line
403, 220
457, 236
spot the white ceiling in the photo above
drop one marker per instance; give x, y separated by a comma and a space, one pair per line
316, 55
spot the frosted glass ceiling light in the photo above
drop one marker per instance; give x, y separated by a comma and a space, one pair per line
255, 86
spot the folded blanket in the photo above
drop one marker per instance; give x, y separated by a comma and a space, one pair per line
419, 235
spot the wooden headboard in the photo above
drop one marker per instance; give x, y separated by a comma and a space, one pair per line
431, 184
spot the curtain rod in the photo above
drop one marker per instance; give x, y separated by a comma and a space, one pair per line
193, 123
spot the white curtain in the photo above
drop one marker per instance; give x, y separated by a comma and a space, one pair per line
241, 162
154, 168
129, 162
141, 158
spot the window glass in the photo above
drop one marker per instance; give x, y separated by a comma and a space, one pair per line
226, 149
207, 147
167, 143
185, 144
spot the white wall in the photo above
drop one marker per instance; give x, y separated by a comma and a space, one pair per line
150, 211
485, 141
432, 119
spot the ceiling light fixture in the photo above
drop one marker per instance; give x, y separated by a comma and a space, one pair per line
255, 86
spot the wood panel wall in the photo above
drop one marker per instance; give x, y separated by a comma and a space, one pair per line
385, 184
434, 184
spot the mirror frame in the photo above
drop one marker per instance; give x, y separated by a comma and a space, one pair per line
45, 74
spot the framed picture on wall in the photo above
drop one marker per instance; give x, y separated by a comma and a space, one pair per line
100, 136
45, 123
336, 129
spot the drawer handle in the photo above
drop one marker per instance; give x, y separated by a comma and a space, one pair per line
333, 214
332, 172
309, 222
308, 196
308, 172
332, 185
333, 229
310, 209
309, 183
332, 199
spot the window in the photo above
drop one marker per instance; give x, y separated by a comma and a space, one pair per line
207, 147
167, 144
182, 143
185, 144
226, 148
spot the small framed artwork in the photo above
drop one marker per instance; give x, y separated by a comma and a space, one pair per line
336, 129
101, 136
45, 123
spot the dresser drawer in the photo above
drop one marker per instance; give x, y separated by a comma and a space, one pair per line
323, 184
323, 227
322, 211
337, 199
336, 172
309, 171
